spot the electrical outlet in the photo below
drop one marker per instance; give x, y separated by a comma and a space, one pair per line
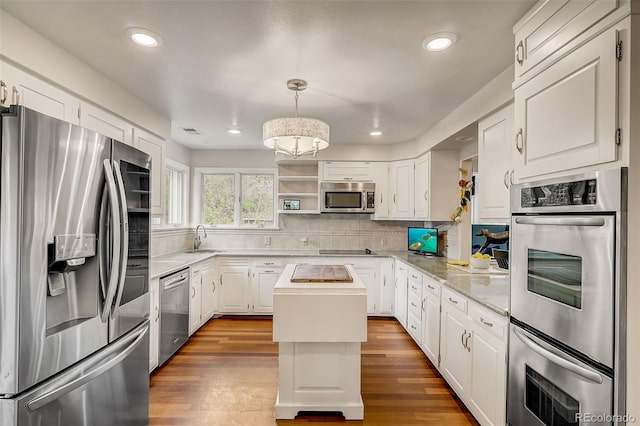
383, 241
267, 240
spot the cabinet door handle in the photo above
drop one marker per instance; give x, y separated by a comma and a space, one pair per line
214, 286
267, 263
455, 302
380, 198
504, 179
348, 178
4, 93
423, 300
194, 292
511, 177
466, 342
519, 141
269, 271
425, 196
430, 287
487, 323
394, 198
462, 339
157, 313
520, 53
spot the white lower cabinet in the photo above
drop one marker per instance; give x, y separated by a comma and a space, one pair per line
235, 286
430, 343
203, 294
473, 356
401, 285
195, 299
369, 277
264, 280
210, 290
154, 323
387, 288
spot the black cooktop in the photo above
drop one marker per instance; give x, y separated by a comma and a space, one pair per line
348, 252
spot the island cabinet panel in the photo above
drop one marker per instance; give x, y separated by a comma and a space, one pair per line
319, 353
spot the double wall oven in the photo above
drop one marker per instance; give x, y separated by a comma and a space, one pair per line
566, 350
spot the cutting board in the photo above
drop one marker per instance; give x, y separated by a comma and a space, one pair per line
305, 273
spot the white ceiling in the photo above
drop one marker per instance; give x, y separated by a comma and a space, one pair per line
226, 63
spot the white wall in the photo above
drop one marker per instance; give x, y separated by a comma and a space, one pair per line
34, 53
177, 152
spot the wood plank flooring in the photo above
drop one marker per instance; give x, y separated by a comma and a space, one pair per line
227, 375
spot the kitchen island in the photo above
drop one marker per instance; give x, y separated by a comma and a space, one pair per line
319, 327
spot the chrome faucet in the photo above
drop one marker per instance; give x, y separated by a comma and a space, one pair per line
198, 240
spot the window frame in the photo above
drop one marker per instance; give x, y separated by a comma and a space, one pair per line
184, 207
196, 204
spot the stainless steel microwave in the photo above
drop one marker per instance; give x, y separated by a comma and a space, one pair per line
347, 197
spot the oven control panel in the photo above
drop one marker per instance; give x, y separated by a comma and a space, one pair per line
582, 192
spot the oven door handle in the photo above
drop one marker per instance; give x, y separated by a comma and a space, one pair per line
558, 360
562, 221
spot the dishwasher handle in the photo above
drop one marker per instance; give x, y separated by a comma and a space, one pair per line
175, 280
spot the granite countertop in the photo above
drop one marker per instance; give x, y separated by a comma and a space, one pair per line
491, 291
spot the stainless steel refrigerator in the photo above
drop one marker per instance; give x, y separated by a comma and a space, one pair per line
74, 255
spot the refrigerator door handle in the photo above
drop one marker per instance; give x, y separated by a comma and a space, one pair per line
99, 365
124, 236
112, 197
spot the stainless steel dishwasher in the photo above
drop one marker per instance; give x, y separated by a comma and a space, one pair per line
174, 313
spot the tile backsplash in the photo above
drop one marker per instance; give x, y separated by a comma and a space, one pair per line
307, 232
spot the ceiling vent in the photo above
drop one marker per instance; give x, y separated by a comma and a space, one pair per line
190, 131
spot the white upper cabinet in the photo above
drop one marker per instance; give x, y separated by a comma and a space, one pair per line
495, 138
154, 146
566, 117
24, 89
552, 26
345, 171
383, 196
401, 176
422, 186
436, 185
105, 123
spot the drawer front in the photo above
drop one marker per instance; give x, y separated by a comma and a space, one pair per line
454, 299
269, 262
490, 321
415, 305
414, 327
415, 282
431, 286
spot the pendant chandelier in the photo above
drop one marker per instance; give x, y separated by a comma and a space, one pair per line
296, 136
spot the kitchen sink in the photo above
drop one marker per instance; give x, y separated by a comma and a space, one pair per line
205, 250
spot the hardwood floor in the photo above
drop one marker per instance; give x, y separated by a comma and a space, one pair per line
227, 375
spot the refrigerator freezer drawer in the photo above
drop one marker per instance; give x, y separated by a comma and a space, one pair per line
111, 387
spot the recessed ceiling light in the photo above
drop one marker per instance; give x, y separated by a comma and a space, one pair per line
438, 42
465, 138
375, 133
144, 37
234, 131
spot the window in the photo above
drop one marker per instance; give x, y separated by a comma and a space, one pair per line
175, 193
236, 198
